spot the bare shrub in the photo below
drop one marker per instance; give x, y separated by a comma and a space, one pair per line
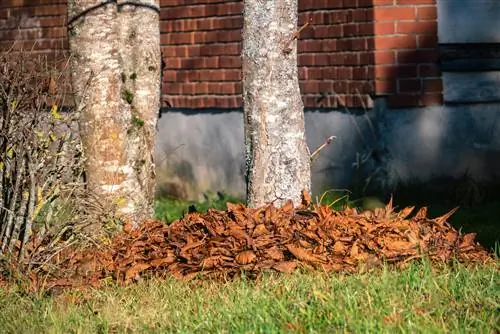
40, 151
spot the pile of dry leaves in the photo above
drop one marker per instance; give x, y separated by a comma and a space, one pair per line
251, 240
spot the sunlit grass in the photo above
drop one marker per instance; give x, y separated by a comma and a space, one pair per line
418, 299
170, 209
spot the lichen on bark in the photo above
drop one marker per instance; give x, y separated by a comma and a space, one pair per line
277, 158
115, 62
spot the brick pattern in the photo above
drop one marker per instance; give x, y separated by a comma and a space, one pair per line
336, 53
37, 25
201, 46
351, 50
406, 56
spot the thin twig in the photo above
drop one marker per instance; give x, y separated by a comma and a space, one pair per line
286, 47
322, 146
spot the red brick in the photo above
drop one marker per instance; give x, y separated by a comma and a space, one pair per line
50, 10
384, 28
302, 73
344, 73
202, 24
352, 58
409, 85
230, 62
359, 87
321, 4
427, 13
350, 29
359, 44
365, 29
329, 45
404, 100
309, 87
394, 13
431, 99
385, 57
220, 9
416, 56
419, 27
415, 2
366, 58
395, 71
427, 42
361, 15
327, 31
396, 42
326, 86
51, 21
385, 86
341, 87
428, 70
360, 73
433, 86
169, 76
382, 2
310, 45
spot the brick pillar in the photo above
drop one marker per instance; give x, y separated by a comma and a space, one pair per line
406, 54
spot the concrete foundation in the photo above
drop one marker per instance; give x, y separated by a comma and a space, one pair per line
373, 150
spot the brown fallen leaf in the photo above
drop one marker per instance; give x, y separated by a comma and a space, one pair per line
246, 257
304, 254
135, 270
285, 267
165, 261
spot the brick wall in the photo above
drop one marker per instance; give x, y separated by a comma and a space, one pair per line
351, 51
37, 25
406, 57
201, 45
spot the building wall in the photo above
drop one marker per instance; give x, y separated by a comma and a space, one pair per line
349, 53
35, 25
372, 72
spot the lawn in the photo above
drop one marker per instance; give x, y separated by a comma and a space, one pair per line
421, 298
418, 299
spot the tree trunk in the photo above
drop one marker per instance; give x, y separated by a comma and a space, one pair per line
115, 67
277, 157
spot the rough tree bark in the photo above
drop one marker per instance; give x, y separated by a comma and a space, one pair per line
116, 69
277, 157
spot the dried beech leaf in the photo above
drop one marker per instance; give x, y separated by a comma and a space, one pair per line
259, 230
285, 267
467, 240
389, 207
303, 254
339, 248
446, 216
288, 207
399, 245
422, 213
274, 253
246, 257
218, 244
306, 198
211, 262
135, 270
163, 261
403, 214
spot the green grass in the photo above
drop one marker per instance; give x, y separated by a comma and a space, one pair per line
418, 299
170, 209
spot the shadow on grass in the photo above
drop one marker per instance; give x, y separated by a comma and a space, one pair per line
479, 205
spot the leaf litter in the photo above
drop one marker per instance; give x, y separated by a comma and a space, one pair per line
242, 240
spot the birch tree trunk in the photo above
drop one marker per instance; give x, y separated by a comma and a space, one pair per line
277, 157
115, 68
